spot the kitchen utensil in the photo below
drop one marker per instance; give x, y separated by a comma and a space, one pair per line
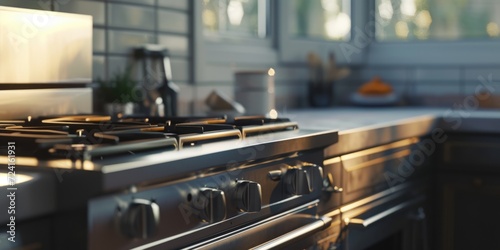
160, 93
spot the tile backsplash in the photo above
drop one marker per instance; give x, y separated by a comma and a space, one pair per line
119, 25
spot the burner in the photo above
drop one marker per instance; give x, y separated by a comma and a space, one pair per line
89, 137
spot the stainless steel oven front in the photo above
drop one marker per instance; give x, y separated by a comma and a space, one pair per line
262, 205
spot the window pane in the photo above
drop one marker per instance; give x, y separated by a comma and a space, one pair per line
235, 17
436, 20
321, 19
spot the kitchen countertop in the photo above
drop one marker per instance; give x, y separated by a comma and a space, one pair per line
361, 128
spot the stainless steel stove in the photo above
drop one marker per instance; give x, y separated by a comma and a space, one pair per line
166, 183
77, 180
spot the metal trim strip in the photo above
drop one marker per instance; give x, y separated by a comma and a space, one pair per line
398, 144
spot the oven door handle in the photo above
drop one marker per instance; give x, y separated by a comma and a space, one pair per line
298, 233
364, 223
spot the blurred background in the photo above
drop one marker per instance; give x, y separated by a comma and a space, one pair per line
431, 52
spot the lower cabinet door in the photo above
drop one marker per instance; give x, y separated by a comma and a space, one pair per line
469, 211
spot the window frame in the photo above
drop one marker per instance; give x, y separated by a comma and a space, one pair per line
431, 52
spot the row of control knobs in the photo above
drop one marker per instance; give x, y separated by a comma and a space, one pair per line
141, 218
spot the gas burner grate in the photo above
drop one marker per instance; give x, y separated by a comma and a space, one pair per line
91, 137
100, 151
258, 125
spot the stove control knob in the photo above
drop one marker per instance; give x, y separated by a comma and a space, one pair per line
248, 196
213, 205
140, 219
302, 179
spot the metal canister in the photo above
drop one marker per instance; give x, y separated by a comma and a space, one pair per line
255, 91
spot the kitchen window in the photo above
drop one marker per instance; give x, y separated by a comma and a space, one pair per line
229, 33
324, 19
411, 32
245, 18
321, 27
436, 20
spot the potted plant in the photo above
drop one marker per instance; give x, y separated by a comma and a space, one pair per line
118, 94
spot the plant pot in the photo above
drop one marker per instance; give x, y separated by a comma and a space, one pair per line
128, 108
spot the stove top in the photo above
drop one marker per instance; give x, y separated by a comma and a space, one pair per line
116, 152
95, 137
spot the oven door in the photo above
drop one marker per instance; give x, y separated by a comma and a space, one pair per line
392, 222
276, 232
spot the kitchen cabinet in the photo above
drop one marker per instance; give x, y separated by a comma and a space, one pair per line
469, 205
469, 192
461, 171
385, 198
376, 211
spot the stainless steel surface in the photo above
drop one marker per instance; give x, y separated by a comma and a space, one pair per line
40, 102
366, 222
37, 191
265, 230
44, 47
386, 222
362, 138
374, 197
255, 91
364, 128
130, 170
301, 232
121, 172
369, 202
366, 172
193, 209
361, 128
